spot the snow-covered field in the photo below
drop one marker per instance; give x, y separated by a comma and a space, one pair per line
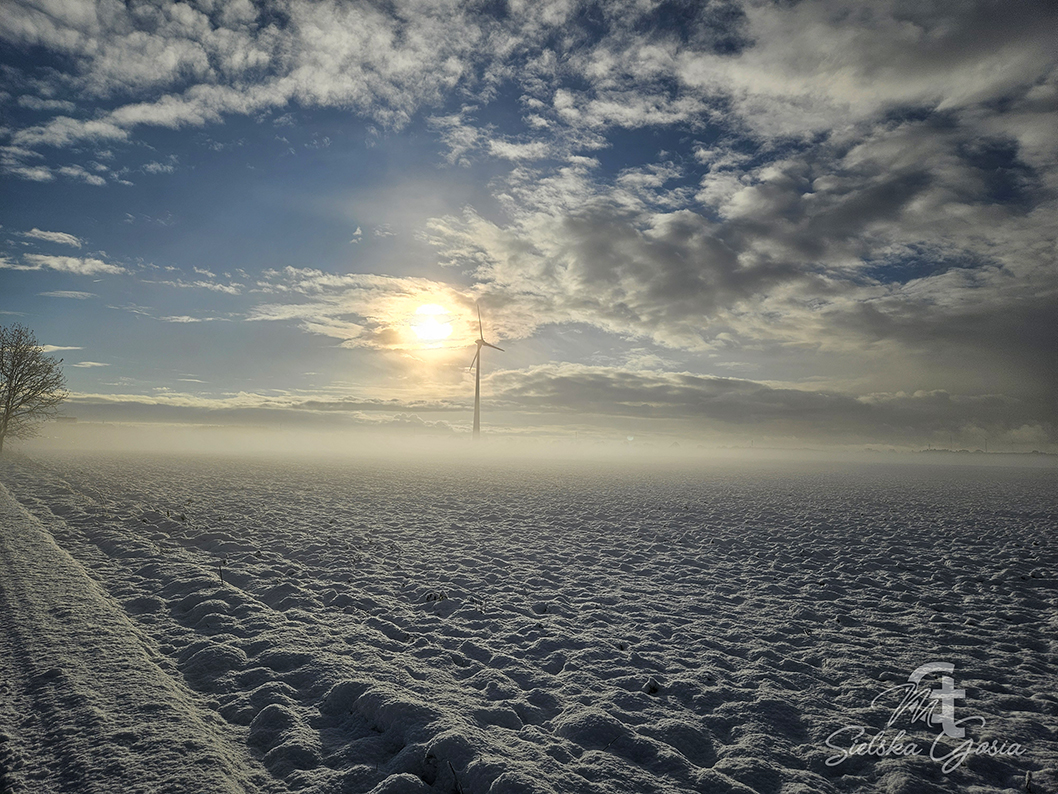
207, 624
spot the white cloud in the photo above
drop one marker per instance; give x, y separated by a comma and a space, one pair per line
62, 238
327, 54
55, 348
67, 293
183, 318
63, 130
232, 288
78, 172
32, 173
796, 68
155, 167
459, 135
510, 150
14, 161
89, 364
825, 63
68, 264
37, 103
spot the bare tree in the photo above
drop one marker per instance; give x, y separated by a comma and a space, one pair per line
31, 384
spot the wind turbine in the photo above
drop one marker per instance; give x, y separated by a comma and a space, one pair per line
476, 366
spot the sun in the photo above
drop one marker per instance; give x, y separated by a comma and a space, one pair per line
430, 327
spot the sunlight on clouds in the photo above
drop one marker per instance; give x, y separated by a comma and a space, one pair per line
369, 311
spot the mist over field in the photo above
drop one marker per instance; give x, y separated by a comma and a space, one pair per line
442, 448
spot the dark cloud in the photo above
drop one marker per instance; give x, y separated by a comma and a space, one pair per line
991, 345
720, 405
701, 407
263, 411
890, 248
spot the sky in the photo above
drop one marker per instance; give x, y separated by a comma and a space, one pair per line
772, 223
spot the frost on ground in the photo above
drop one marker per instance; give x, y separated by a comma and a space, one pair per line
208, 624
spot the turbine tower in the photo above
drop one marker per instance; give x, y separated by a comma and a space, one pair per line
476, 366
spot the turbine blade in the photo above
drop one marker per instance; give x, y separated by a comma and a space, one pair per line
493, 346
481, 333
476, 357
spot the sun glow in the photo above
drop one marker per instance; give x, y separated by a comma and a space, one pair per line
431, 328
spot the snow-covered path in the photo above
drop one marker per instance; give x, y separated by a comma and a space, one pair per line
84, 700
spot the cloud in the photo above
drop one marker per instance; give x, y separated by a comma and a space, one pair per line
31, 173
601, 257
63, 130
37, 103
183, 318
779, 69
725, 405
861, 250
68, 293
80, 173
14, 160
824, 64
376, 312
262, 409
89, 364
69, 264
200, 67
55, 348
510, 150
231, 288
657, 402
154, 167
62, 238
459, 135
